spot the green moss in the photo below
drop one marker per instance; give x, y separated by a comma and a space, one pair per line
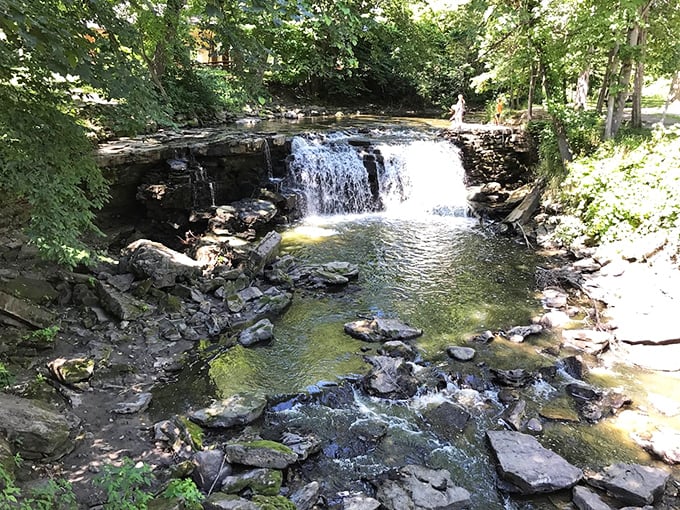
269, 445
194, 430
274, 503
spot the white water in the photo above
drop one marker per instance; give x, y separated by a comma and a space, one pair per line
414, 178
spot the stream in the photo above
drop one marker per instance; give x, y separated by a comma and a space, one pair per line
424, 261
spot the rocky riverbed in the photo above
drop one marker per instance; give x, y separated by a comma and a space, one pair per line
87, 347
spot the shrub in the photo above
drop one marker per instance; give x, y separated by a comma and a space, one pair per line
126, 485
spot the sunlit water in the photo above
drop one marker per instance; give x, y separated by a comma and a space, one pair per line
421, 260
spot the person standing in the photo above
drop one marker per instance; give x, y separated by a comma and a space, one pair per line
499, 111
457, 110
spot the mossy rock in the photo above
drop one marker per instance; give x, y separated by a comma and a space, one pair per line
274, 503
263, 481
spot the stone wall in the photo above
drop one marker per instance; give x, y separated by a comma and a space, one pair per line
501, 154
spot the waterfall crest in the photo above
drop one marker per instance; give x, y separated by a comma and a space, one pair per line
338, 175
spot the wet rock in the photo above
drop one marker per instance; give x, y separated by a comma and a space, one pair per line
517, 378
517, 334
591, 341
484, 337
327, 278
631, 484
71, 371
359, 502
211, 469
260, 453
419, 488
148, 259
138, 405
664, 444
528, 467
398, 349
264, 252
369, 430
461, 353
390, 378
585, 499
222, 501
446, 418
344, 269
35, 430
261, 331
266, 482
242, 215
573, 366
381, 330
302, 446
236, 410
514, 414
26, 311
306, 497
534, 426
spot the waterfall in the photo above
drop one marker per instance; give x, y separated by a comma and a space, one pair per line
336, 175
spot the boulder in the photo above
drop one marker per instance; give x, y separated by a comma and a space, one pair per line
263, 481
222, 501
260, 453
148, 259
236, 410
264, 252
461, 353
307, 496
390, 378
631, 484
210, 470
359, 502
585, 499
529, 468
139, 404
381, 330
588, 340
71, 371
35, 430
420, 488
120, 305
261, 331
446, 418
302, 446
517, 334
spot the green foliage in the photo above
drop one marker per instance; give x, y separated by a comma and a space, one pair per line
43, 335
126, 485
626, 190
185, 491
6, 377
50, 495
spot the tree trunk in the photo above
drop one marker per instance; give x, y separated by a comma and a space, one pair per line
623, 85
636, 114
163, 54
557, 124
611, 64
530, 99
673, 95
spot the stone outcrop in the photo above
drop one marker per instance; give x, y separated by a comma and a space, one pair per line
528, 467
35, 430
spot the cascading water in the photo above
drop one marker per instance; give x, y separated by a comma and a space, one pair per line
338, 175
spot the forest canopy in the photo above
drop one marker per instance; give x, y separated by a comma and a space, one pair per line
77, 69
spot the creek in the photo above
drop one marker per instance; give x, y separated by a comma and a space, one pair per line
424, 261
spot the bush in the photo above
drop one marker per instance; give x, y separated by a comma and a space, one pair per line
126, 485
627, 190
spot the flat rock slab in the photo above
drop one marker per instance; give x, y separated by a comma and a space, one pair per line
528, 466
632, 484
149, 259
236, 410
381, 330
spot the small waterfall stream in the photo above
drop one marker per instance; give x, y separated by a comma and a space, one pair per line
339, 175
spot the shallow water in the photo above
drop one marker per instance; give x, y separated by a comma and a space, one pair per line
424, 262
